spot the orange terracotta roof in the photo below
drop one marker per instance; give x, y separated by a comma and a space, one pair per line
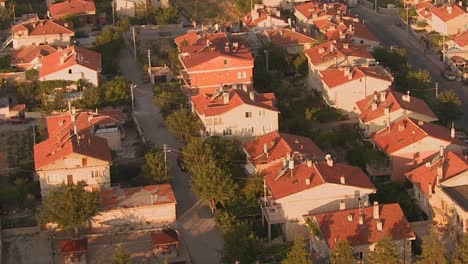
423, 5
72, 7
278, 144
407, 131
309, 9
42, 27
28, 54
73, 55
149, 195
281, 183
165, 237
194, 42
212, 105
18, 108
452, 164
336, 227
190, 38
360, 30
287, 37
461, 39
339, 76
73, 245
329, 50
325, 24
443, 13
262, 17
394, 102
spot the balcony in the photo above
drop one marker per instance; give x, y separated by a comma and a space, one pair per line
272, 211
379, 168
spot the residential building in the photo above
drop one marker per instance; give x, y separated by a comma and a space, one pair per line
236, 112
74, 251
441, 189
409, 143
131, 7
41, 32
8, 111
363, 228
332, 55
359, 34
212, 61
84, 10
424, 15
377, 111
270, 149
449, 19
31, 57
284, 4
343, 87
294, 42
309, 12
460, 41
136, 205
72, 64
262, 17
299, 186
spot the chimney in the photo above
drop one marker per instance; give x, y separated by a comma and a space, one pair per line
69, 104
346, 45
321, 50
420, 122
440, 171
449, 9
73, 113
460, 3
226, 48
225, 98
452, 131
265, 150
336, 61
379, 225
347, 71
245, 88
342, 179
281, 32
383, 96
387, 112
66, 24
407, 97
361, 220
291, 166
285, 163
252, 96
437, 180
288, 156
307, 181
342, 205
374, 106
329, 160
325, 6
62, 59
375, 212
429, 189
208, 42
309, 163
290, 22
350, 218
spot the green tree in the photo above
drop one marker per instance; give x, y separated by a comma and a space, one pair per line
28, 92
460, 256
241, 244
243, 6
448, 107
213, 185
5, 64
183, 124
116, 92
432, 249
108, 43
343, 253
93, 97
166, 16
385, 252
169, 100
121, 256
154, 168
419, 81
300, 63
298, 253
254, 186
69, 206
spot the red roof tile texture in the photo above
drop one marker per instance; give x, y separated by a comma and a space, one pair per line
339, 76
461, 39
72, 7
287, 37
149, 195
73, 55
393, 101
451, 165
28, 54
328, 51
42, 27
165, 237
336, 227
282, 183
448, 11
73, 245
213, 104
309, 9
278, 144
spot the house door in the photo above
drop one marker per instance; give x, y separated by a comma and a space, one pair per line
70, 179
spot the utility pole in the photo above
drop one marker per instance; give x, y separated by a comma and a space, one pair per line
113, 13
165, 159
407, 18
34, 133
443, 48
14, 13
134, 43
149, 60
132, 86
266, 55
437, 89
376, 6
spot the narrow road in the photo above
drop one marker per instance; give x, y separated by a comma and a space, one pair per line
384, 27
198, 228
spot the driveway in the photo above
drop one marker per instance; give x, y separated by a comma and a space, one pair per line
198, 228
384, 27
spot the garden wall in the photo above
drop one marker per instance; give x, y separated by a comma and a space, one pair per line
367, 4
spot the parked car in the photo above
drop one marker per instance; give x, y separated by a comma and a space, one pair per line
181, 164
17, 121
449, 75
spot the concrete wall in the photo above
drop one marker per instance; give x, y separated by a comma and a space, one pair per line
114, 139
77, 72
56, 40
451, 27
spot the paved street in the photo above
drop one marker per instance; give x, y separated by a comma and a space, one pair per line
198, 228
384, 27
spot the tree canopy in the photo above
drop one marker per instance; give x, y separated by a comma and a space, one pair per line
460, 256
154, 169
432, 249
298, 253
343, 253
385, 252
116, 91
69, 206
183, 124
448, 107
121, 256
241, 244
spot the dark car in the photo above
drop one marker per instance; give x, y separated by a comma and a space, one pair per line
181, 164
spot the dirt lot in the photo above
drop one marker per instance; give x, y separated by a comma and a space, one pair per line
209, 11
16, 144
26, 249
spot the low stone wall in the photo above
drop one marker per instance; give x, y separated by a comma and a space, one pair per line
367, 4
21, 231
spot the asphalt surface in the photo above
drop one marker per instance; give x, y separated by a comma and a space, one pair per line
198, 228
386, 29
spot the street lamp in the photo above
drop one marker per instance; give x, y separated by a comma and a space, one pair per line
132, 87
266, 54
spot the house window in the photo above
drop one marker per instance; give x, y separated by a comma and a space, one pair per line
362, 41
227, 132
225, 62
239, 75
94, 174
69, 71
248, 114
84, 162
244, 75
54, 178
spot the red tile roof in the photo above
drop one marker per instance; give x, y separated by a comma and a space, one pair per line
328, 51
339, 76
407, 131
278, 145
165, 237
452, 164
42, 27
73, 245
445, 15
212, 105
263, 15
287, 37
149, 195
28, 54
461, 39
336, 227
72, 7
310, 9
360, 30
73, 55
281, 183
18, 108
394, 102
325, 24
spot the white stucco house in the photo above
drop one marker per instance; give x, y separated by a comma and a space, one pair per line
449, 19
41, 32
129, 7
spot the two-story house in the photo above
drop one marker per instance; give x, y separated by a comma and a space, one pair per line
236, 112
271, 148
294, 42
72, 64
41, 32
359, 34
343, 87
298, 186
409, 143
84, 10
130, 7
363, 228
212, 61
449, 19
333, 55
441, 188
262, 17
31, 57
309, 12
460, 41
378, 110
